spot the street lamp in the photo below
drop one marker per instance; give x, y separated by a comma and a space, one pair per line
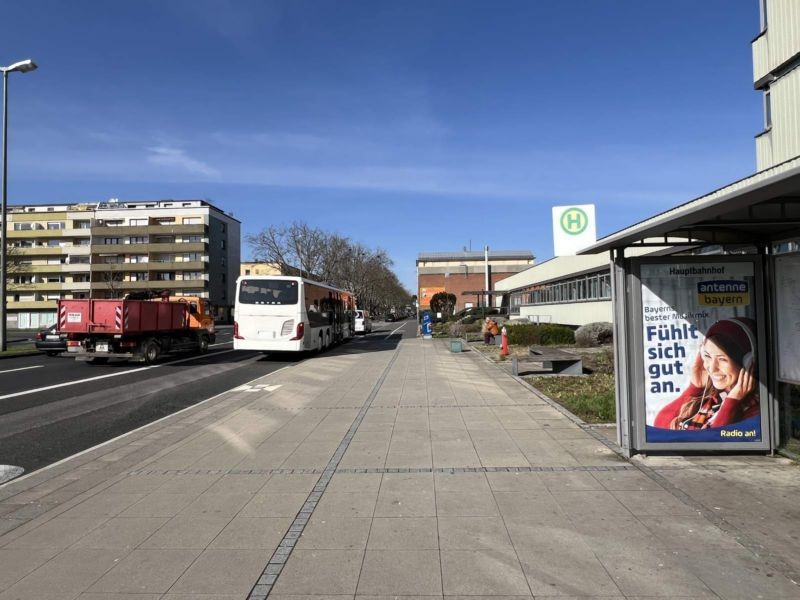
23, 66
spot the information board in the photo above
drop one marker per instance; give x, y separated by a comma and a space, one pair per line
787, 315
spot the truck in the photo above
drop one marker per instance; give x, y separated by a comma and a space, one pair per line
135, 329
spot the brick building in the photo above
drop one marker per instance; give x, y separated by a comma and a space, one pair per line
460, 272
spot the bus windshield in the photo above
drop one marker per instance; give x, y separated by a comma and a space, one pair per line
268, 291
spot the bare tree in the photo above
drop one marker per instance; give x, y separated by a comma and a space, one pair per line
334, 259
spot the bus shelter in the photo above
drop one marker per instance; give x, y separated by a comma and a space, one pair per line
707, 339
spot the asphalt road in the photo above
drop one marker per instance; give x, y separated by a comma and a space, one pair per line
52, 408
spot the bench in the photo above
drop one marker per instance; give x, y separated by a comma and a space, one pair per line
558, 361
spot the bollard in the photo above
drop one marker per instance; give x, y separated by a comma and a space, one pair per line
504, 343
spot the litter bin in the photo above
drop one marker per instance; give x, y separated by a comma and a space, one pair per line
455, 346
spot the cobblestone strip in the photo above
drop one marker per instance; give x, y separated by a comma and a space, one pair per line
261, 590
383, 470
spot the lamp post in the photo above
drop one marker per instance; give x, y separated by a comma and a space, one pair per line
22, 67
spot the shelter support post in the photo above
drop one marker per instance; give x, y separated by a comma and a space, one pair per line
619, 303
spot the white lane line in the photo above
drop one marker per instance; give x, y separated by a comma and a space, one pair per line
139, 370
22, 369
124, 435
395, 331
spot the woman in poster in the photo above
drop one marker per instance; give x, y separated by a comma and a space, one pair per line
723, 388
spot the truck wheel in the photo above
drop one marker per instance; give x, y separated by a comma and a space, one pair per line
150, 352
97, 360
202, 346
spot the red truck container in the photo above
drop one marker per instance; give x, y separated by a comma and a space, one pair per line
134, 329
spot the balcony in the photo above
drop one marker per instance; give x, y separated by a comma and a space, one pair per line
32, 305
128, 230
176, 266
40, 251
151, 285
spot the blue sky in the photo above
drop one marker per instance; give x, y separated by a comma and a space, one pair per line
413, 126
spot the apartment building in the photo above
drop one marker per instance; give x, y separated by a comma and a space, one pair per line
110, 249
776, 58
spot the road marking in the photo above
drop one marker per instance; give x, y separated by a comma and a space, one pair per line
22, 369
124, 435
395, 331
139, 370
263, 387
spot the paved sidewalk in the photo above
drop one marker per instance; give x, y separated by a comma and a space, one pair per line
402, 472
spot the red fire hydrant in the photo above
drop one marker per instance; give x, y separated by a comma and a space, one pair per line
504, 342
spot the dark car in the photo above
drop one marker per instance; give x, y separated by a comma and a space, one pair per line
389, 318
476, 313
50, 341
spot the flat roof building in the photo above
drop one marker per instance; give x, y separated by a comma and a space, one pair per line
110, 249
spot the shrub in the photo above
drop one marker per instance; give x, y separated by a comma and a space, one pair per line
533, 334
460, 329
594, 334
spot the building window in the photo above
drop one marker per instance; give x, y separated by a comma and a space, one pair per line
138, 239
194, 239
54, 243
138, 276
138, 258
192, 257
81, 225
193, 275
763, 5
23, 226
247, 271
165, 276
767, 110
192, 220
111, 240
55, 225
115, 223
138, 222
78, 260
112, 260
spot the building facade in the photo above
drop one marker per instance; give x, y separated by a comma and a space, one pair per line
464, 274
776, 58
110, 249
259, 268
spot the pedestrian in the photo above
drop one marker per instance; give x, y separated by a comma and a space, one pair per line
488, 339
493, 329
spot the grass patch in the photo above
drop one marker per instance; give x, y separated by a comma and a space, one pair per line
591, 398
19, 349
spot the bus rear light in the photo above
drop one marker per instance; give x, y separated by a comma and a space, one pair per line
287, 328
301, 329
236, 335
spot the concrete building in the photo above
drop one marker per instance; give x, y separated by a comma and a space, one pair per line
110, 249
776, 58
259, 268
568, 290
464, 274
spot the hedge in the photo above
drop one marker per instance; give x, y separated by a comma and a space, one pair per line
533, 334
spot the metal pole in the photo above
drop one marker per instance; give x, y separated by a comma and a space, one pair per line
4, 212
486, 275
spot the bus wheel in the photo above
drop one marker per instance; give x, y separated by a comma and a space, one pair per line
327, 340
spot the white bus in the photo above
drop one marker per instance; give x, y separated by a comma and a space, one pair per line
277, 313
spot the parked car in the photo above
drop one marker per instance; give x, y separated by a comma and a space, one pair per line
389, 318
363, 322
50, 341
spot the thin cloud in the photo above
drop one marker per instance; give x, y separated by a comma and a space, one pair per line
175, 157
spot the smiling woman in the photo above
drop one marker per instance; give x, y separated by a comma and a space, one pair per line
723, 385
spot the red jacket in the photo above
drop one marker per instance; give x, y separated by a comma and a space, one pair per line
728, 413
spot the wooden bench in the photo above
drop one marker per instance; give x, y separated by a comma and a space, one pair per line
558, 361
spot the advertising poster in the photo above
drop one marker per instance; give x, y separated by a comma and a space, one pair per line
426, 293
700, 342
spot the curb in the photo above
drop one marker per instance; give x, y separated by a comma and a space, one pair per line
16, 354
